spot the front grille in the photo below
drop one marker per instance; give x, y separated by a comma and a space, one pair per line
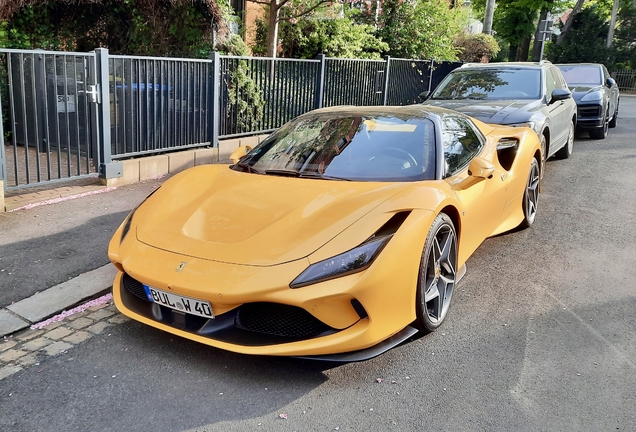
134, 286
591, 111
279, 320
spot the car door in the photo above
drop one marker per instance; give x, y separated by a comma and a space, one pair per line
611, 91
558, 111
482, 199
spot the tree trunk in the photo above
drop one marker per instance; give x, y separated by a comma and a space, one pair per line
570, 21
610, 33
522, 54
512, 52
490, 10
538, 37
272, 31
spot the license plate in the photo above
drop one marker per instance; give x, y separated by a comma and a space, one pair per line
189, 305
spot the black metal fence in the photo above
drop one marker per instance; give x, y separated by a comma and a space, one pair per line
67, 115
47, 116
626, 80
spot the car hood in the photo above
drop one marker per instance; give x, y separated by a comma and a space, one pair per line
578, 91
219, 214
493, 111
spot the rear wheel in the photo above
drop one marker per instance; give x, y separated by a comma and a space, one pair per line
531, 196
437, 275
566, 150
614, 119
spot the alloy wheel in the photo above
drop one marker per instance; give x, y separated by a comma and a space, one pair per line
531, 197
440, 274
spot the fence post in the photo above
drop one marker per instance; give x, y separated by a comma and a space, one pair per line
107, 168
320, 82
387, 72
40, 77
430, 75
3, 163
215, 99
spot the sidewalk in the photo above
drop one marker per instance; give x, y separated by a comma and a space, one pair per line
53, 248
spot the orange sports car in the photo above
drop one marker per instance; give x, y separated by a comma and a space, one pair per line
338, 237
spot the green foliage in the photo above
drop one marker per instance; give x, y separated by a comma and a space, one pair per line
338, 37
515, 20
474, 47
431, 30
260, 36
245, 98
624, 45
124, 27
585, 41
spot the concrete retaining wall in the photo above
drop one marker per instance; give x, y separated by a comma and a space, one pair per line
145, 168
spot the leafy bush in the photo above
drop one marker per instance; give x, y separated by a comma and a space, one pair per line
474, 47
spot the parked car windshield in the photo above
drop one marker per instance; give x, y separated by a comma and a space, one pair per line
348, 147
582, 74
490, 83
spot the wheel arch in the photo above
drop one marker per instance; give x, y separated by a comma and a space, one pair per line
453, 214
546, 133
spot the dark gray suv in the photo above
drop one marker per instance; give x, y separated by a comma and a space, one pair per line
596, 95
514, 94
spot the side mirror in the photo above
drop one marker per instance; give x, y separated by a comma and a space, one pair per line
609, 82
239, 153
560, 94
424, 95
480, 168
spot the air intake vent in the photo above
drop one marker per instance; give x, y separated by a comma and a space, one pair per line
134, 287
279, 320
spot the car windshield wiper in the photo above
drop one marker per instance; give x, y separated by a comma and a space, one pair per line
248, 168
280, 172
315, 175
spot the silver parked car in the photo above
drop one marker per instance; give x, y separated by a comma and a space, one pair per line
514, 94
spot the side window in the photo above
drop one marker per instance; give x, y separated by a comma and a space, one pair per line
461, 143
560, 80
550, 83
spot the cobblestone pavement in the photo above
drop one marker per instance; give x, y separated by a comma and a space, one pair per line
29, 348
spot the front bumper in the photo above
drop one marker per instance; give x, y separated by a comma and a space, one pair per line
589, 116
252, 304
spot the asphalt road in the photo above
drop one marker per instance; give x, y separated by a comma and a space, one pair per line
541, 336
48, 245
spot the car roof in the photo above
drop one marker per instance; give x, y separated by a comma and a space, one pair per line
529, 65
578, 64
416, 110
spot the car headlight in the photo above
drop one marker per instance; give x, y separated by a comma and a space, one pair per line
531, 124
593, 96
352, 261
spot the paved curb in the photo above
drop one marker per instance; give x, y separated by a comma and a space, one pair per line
52, 301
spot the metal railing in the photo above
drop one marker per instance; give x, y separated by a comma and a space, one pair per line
158, 104
47, 116
626, 80
67, 115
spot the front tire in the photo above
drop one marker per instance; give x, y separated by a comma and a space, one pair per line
531, 196
601, 132
566, 151
437, 275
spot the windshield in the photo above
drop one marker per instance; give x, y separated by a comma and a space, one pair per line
582, 74
490, 83
347, 147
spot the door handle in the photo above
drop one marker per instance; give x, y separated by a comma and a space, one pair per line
93, 93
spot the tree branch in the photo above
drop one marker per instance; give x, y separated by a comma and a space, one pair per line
570, 20
314, 7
